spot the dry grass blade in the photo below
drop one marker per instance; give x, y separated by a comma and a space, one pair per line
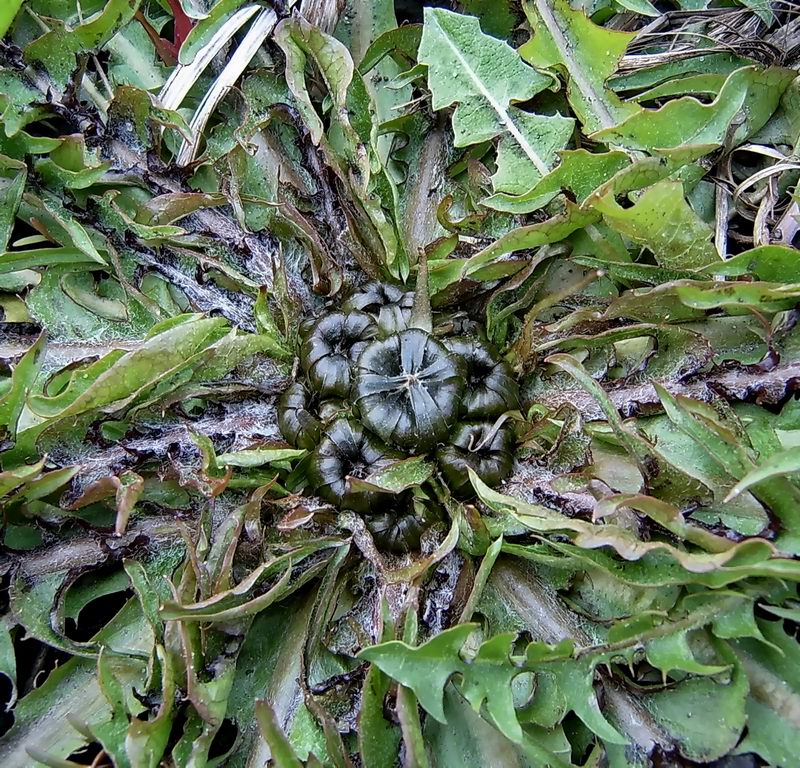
764, 174
253, 40
323, 13
183, 77
788, 225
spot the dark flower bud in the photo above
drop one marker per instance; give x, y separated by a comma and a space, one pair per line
330, 348
301, 416
481, 447
490, 385
388, 304
299, 426
305, 326
372, 296
347, 450
397, 523
408, 389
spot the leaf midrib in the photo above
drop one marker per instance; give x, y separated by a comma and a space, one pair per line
593, 98
505, 117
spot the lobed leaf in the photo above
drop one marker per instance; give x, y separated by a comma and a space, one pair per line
567, 40
485, 77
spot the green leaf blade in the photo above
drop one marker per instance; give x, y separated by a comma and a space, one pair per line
485, 77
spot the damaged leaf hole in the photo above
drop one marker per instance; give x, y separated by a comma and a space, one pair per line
95, 615
224, 739
35, 661
93, 755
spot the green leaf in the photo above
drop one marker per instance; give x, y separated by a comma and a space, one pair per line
567, 40
14, 261
8, 661
136, 371
426, 670
662, 221
22, 378
71, 165
132, 59
645, 7
580, 171
57, 49
468, 739
80, 288
40, 718
498, 18
718, 62
737, 297
262, 587
748, 98
706, 718
549, 231
13, 175
705, 568
360, 29
18, 476
785, 463
300, 41
146, 740
706, 84
136, 111
575, 680
17, 97
646, 171
770, 263
378, 739
268, 665
673, 653
485, 77
408, 715
591, 176
268, 327
660, 475
397, 477
60, 225
7, 14
729, 450
111, 733
667, 516
773, 707
282, 753
257, 457
490, 681
401, 43
348, 146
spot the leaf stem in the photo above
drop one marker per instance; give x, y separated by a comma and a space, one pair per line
422, 314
